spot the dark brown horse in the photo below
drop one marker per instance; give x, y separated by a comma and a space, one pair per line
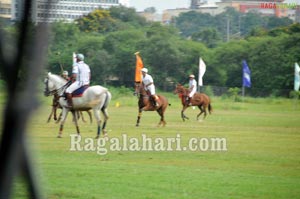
199, 99
146, 103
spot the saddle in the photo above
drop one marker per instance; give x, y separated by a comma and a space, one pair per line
79, 92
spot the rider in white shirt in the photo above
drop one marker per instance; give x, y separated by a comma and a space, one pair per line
81, 75
149, 85
192, 88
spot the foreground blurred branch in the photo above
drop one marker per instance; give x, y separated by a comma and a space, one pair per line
21, 101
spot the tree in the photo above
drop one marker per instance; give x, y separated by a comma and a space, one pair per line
121, 46
127, 16
150, 10
209, 36
97, 21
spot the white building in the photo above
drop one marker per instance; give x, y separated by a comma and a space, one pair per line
62, 10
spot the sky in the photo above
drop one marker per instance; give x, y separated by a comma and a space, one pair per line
159, 5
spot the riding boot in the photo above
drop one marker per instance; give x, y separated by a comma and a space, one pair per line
187, 101
69, 100
190, 101
156, 100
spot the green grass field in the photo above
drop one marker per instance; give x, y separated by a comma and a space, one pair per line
262, 158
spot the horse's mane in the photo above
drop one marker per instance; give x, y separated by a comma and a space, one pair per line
186, 90
58, 77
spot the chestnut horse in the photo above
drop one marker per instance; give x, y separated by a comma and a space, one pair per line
146, 103
199, 99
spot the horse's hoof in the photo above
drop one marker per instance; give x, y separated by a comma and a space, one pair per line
59, 136
97, 137
137, 125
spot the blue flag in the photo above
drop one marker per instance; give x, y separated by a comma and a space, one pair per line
246, 75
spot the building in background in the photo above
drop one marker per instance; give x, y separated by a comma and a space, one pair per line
5, 9
61, 10
263, 7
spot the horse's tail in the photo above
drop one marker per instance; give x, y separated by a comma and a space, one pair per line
210, 109
107, 100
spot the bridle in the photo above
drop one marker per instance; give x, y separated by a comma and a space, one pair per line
180, 91
138, 92
47, 92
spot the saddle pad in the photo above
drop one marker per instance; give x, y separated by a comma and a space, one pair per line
78, 92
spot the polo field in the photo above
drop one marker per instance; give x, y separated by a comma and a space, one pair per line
243, 150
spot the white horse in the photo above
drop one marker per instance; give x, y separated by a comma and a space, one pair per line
95, 97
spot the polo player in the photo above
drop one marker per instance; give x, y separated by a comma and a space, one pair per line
149, 85
192, 89
81, 75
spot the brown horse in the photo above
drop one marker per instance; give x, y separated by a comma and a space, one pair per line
146, 103
55, 106
199, 99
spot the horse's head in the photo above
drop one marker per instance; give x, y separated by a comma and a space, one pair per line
139, 89
53, 83
179, 89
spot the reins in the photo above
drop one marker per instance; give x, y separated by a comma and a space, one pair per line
55, 91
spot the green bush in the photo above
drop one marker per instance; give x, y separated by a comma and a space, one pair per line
234, 93
295, 94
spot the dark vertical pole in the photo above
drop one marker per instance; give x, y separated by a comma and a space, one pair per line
15, 157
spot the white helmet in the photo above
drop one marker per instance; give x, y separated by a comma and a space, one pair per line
80, 57
65, 73
192, 76
144, 70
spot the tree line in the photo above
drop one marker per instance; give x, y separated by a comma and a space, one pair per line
109, 38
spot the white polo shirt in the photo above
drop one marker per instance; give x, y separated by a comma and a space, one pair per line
82, 70
147, 80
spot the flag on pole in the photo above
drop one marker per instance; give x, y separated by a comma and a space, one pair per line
74, 58
297, 77
202, 69
138, 67
246, 75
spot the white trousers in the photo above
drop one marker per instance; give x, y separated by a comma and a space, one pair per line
192, 93
75, 85
151, 89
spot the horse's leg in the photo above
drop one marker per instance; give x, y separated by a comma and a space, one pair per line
90, 115
105, 113
183, 116
54, 112
50, 116
64, 116
205, 111
139, 117
59, 117
75, 115
81, 115
161, 111
201, 111
98, 119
